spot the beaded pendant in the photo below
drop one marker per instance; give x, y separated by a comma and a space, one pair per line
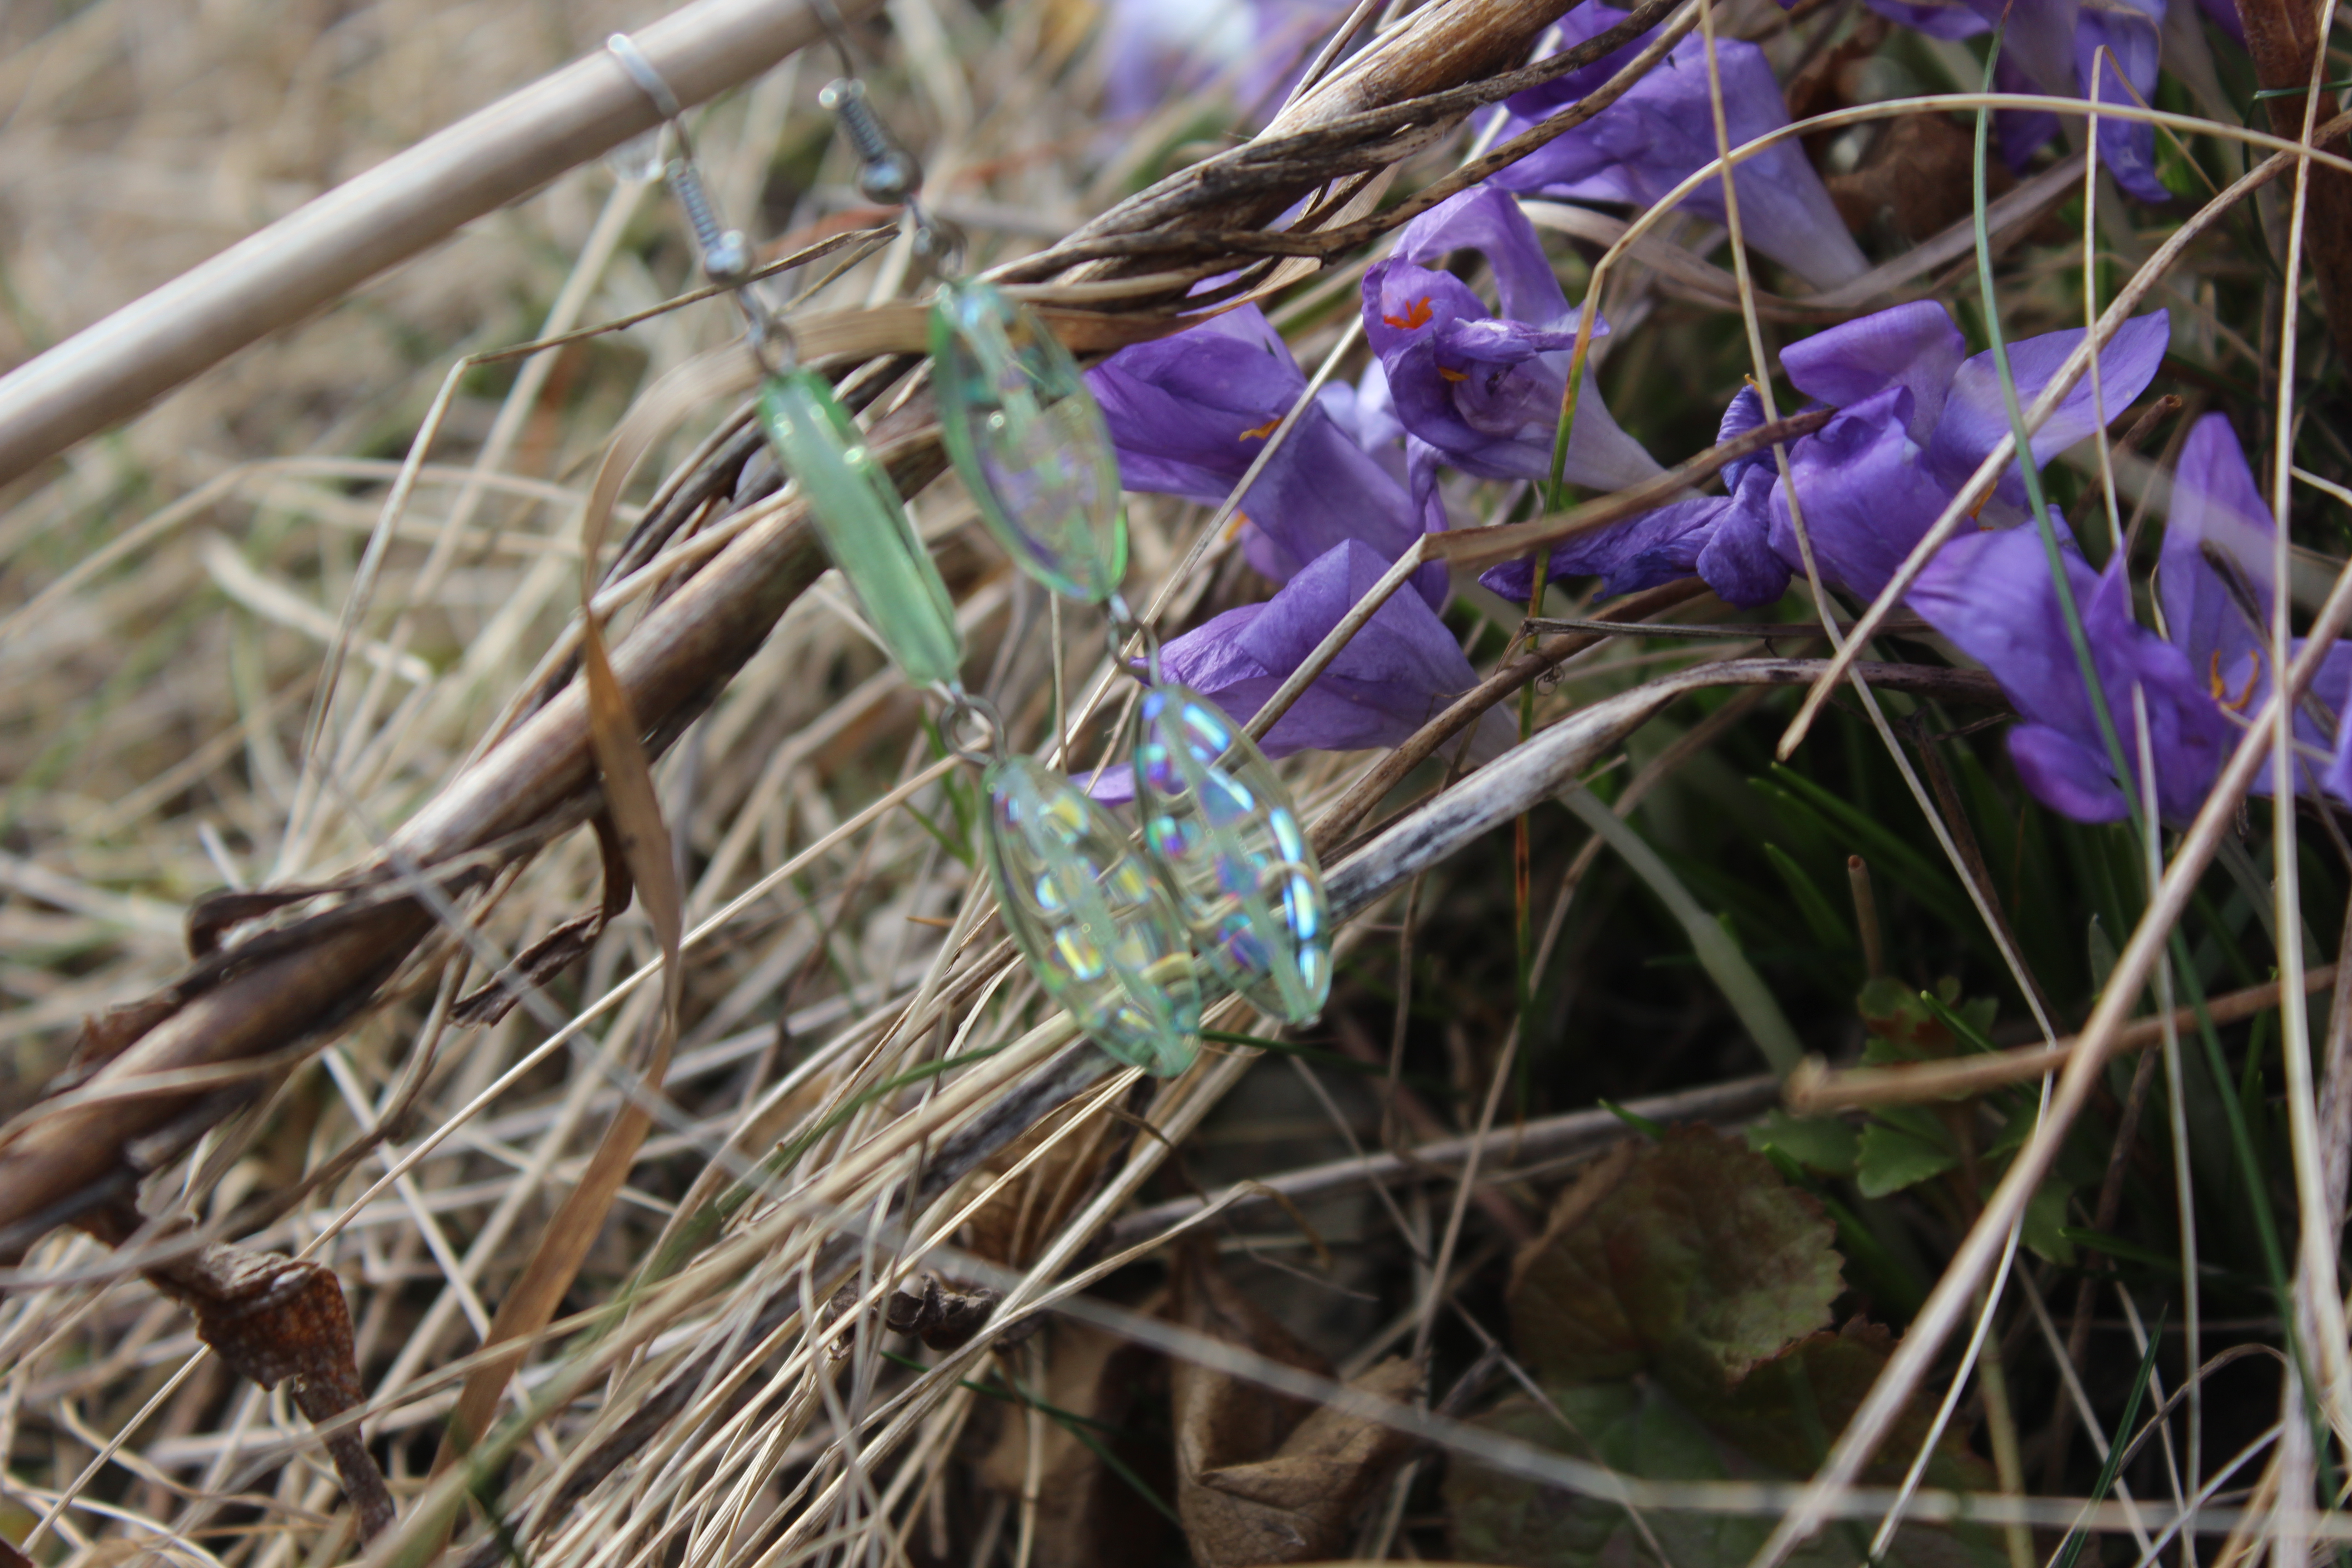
1101, 933
1221, 830
864, 526
1029, 440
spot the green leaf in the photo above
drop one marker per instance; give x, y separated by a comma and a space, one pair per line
1900, 1148
1822, 1143
1691, 1257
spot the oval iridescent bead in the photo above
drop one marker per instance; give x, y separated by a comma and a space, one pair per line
1222, 828
865, 527
1099, 931
1028, 440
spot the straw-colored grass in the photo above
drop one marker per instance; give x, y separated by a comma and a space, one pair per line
267, 632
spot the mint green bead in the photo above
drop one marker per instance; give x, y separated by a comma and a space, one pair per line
864, 526
1224, 835
1028, 440
1096, 927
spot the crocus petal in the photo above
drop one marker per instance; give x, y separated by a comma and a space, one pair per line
2039, 35
1914, 346
1991, 594
1660, 132
1743, 413
1976, 416
1398, 671
1483, 391
1866, 492
2124, 73
2219, 522
2223, 13
1937, 19
1182, 409
1653, 548
1738, 560
2066, 775
1487, 220
1189, 415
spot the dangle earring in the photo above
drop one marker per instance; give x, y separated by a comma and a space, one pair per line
1030, 443
1109, 940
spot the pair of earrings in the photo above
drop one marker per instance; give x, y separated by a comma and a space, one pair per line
1225, 878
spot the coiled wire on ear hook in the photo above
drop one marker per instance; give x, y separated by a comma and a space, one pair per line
725, 253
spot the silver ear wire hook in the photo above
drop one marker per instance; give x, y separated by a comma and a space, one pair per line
725, 253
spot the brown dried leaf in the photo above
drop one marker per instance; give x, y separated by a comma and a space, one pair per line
1690, 1256
633, 818
1262, 1478
535, 965
12, 1558
277, 1321
1921, 175
211, 916
105, 1035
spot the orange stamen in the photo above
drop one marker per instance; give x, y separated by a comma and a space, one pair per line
1453, 374
1415, 315
1260, 432
2221, 689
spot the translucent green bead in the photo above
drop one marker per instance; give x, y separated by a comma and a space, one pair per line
865, 528
1029, 440
1098, 928
1223, 830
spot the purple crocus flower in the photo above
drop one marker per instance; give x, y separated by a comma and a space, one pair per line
1481, 391
1724, 539
2056, 46
1190, 413
1650, 139
1917, 413
1991, 594
1394, 675
2217, 586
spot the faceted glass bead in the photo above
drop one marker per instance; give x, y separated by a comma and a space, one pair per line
1098, 928
1029, 440
865, 529
1222, 828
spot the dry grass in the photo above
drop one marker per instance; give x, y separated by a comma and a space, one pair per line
170, 596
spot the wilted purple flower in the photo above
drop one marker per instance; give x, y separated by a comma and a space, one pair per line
1655, 137
1190, 413
1916, 418
2053, 46
1991, 594
1483, 391
1394, 675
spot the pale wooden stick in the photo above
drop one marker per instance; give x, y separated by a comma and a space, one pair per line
324, 249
